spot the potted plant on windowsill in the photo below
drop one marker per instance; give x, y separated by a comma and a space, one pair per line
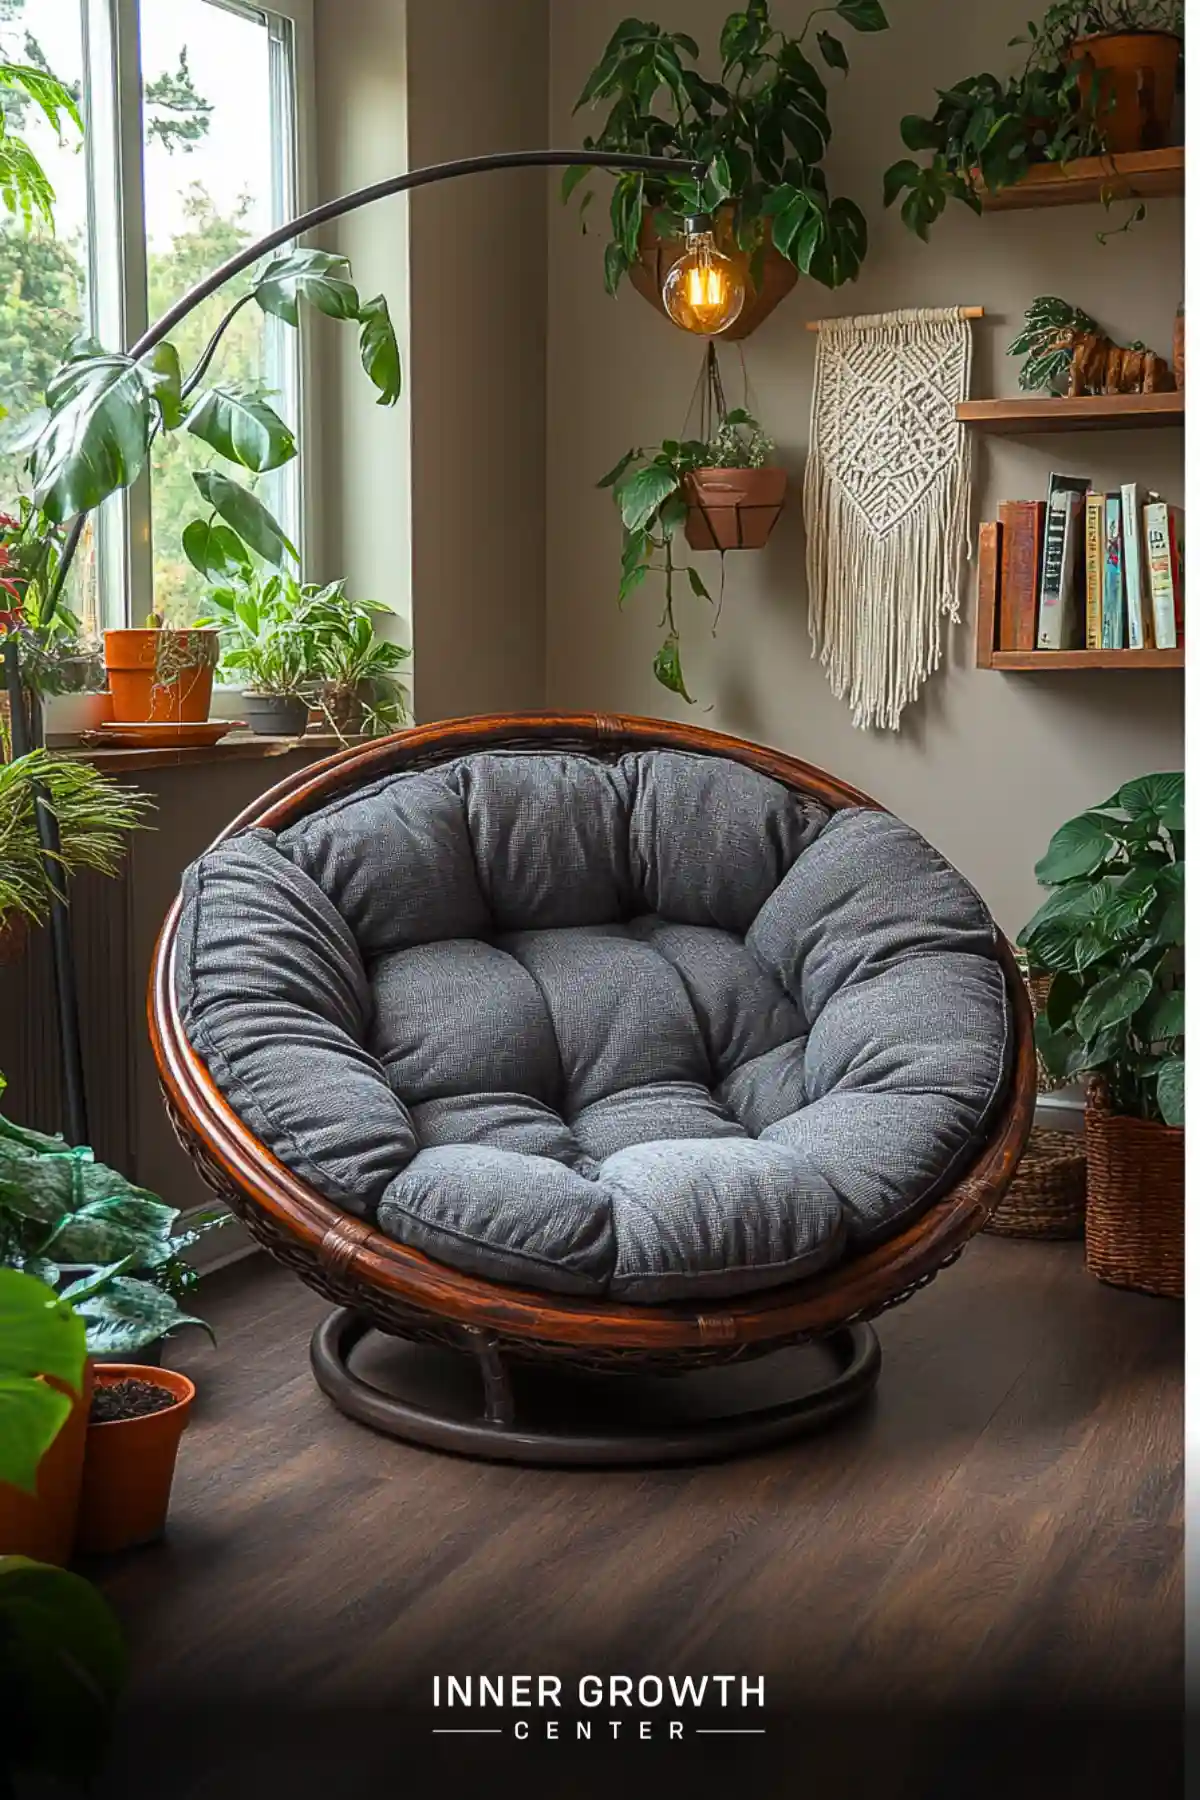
264, 648
62, 667
356, 673
763, 127
1112, 934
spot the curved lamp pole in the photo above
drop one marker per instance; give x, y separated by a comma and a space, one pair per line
75, 1124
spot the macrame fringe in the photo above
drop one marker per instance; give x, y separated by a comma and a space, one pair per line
877, 599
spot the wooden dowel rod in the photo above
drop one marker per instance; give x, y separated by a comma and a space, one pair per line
964, 312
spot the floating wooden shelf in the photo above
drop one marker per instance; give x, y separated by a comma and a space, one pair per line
1054, 662
1023, 416
1140, 175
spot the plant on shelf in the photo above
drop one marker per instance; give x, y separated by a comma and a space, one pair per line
57, 656
720, 487
62, 1656
763, 130
113, 1250
312, 646
1111, 934
1064, 345
988, 131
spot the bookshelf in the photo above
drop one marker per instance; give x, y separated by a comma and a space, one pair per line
1138, 175
1052, 662
1032, 415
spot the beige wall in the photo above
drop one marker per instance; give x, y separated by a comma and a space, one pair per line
404, 84
988, 764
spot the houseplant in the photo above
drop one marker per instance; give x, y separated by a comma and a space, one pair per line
989, 131
720, 487
762, 129
1126, 54
356, 674
62, 1656
1111, 933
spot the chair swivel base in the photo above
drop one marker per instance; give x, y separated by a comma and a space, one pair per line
577, 1417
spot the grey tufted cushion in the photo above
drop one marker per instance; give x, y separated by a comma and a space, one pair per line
655, 1028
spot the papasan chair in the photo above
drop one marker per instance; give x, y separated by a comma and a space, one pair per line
596, 1042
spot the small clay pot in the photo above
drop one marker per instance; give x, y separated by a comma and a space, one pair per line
656, 255
129, 1465
42, 1525
134, 661
1129, 79
275, 715
733, 509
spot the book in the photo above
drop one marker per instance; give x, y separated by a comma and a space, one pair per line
1057, 603
1023, 524
1175, 529
1161, 559
1140, 629
1093, 569
1113, 623
987, 621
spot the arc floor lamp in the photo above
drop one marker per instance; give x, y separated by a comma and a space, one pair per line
710, 310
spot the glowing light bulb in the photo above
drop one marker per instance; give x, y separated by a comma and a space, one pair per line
704, 290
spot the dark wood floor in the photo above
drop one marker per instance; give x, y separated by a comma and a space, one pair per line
987, 1557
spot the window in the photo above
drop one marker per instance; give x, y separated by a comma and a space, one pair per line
189, 154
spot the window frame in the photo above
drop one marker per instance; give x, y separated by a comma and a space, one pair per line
117, 286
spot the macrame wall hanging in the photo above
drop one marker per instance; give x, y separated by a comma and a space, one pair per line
886, 502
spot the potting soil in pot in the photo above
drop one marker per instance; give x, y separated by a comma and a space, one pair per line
129, 1399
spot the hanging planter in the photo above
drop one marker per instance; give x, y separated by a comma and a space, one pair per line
732, 509
161, 676
657, 254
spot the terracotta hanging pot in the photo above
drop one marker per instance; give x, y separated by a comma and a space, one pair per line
129, 1463
161, 676
42, 1525
1129, 80
656, 255
733, 509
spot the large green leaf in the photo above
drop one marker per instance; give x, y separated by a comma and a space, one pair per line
243, 428
1170, 1091
128, 1314
40, 1335
106, 1230
1115, 997
1161, 795
863, 15
62, 1667
215, 550
1163, 1017
246, 514
163, 378
317, 276
831, 49
642, 495
96, 438
379, 350
1077, 848
669, 670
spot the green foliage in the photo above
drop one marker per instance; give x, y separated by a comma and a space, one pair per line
25, 188
1111, 934
63, 1665
41, 1335
307, 642
648, 487
176, 114
992, 130
94, 818
1040, 340
60, 1209
761, 131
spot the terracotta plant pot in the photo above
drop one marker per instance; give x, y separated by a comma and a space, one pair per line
42, 1525
129, 1465
161, 677
656, 255
733, 509
1134, 1228
275, 715
1130, 77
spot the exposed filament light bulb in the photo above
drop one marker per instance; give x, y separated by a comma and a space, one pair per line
704, 290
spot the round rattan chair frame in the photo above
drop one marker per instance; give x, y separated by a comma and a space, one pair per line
386, 1286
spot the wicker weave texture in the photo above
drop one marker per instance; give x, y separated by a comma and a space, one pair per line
1048, 1194
1135, 1200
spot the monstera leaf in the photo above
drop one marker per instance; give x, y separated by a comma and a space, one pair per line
96, 437
241, 427
379, 350
246, 514
317, 276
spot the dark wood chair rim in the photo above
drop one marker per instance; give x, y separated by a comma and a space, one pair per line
351, 1261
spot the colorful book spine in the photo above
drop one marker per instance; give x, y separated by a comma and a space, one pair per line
1113, 623
1093, 586
1057, 605
1158, 566
1140, 627
987, 625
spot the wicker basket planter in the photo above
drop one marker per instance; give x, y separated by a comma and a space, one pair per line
1135, 1200
1048, 1194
